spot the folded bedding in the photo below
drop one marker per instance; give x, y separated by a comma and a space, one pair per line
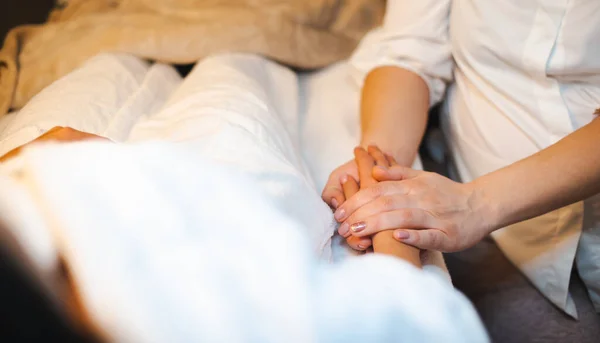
299, 33
208, 217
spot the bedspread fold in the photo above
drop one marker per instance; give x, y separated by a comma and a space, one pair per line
300, 33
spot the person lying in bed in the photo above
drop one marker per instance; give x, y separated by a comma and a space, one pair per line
186, 105
366, 161
127, 267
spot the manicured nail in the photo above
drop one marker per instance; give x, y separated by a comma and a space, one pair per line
339, 214
402, 235
334, 203
358, 227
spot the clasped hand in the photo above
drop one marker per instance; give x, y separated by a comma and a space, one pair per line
425, 210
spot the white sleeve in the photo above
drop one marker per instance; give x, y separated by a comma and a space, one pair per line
414, 36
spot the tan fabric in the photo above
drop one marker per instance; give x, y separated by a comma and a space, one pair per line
300, 33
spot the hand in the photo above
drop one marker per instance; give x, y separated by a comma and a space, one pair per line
427, 210
351, 187
333, 193
58, 134
365, 163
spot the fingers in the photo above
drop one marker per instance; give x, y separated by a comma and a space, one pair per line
406, 218
359, 243
430, 239
350, 186
365, 196
365, 166
379, 206
333, 194
379, 156
391, 160
395, 173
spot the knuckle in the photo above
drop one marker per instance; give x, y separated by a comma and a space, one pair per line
406, 216
416, 238
376, 190
386, 203
374, 224
434, 240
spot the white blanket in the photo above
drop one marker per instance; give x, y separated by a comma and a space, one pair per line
164, 244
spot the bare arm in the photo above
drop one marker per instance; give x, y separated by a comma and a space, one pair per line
433, 212
564, 173
383, 242
394, 108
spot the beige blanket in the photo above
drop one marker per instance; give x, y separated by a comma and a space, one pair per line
299, 33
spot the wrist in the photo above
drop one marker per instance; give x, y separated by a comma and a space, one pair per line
400, 151
485, 214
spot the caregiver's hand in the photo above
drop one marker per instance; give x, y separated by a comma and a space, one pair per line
427, 210
333, 193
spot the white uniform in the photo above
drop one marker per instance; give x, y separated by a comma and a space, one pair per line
526, 73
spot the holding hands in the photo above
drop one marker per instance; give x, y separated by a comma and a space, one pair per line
425, 210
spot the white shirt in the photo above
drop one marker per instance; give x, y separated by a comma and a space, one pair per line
523, 74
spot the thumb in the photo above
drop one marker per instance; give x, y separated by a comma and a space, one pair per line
427, 239
395, 173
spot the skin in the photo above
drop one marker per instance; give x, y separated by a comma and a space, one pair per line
383, 242
56, 134
394, 107
430, 211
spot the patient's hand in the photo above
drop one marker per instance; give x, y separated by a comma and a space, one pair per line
56, 134
383, 242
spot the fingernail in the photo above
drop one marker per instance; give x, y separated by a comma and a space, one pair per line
361, 247
402, 235
344, 230
339, 214
358, 227
334, 203
344, 178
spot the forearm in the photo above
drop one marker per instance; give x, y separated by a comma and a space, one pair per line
394, 108
564, 173
384, 243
